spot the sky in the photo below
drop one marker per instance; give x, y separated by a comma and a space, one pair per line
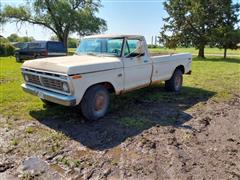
143, 17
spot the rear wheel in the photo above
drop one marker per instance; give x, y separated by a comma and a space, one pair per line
175, 83
95, 102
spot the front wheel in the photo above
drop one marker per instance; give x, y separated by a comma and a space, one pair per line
95, 102
175, 83
18, 59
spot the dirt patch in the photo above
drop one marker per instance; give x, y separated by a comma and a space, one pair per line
168, 142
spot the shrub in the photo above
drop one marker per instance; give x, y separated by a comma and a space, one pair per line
6, 49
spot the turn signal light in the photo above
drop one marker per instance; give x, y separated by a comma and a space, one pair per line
76, 76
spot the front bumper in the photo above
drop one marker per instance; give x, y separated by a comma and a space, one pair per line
50, 96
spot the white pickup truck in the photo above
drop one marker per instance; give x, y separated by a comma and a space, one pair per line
102, 64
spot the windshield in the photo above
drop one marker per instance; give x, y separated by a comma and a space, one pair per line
101, 46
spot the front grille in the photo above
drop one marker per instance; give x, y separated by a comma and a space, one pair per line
52, 83
40, 79
34, 79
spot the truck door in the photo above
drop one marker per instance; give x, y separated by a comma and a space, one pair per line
137, 64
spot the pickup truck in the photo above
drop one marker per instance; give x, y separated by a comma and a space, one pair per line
102, 64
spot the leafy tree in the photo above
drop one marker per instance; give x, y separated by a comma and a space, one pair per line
60, 16
225, 36
72, 43
193, 23
16, 38
13, 38
227, 39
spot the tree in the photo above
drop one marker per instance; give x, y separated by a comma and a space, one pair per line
227, 39
16, 38
60, 16
193, 23
72, 42
226, 36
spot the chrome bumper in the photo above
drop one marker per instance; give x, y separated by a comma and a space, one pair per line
50, 96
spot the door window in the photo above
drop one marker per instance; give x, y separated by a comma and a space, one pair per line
133, 48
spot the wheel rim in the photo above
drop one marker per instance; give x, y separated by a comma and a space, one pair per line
178, 82
100, 102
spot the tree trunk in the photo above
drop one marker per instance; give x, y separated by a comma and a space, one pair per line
65, 41
63, 37
225, 53
201, 52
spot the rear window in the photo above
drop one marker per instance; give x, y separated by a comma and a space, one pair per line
56, 47
36, 45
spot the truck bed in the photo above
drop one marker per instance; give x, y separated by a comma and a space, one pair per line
164, 65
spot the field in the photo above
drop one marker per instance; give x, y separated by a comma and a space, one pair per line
194, 51
148, 134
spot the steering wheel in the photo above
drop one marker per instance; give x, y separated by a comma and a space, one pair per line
116, 51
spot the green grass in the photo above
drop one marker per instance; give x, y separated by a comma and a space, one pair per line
195, 51
210, 75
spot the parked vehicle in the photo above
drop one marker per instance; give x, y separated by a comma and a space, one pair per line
102, 64
40, 49
20, 45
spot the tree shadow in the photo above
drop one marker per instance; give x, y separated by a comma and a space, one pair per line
129, 115
217, 59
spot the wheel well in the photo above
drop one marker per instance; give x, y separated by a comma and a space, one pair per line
107, 85
181, 67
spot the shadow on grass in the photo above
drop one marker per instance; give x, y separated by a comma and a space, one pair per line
217, 59
129, 115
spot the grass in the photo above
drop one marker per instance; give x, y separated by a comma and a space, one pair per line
195, 51
211, 75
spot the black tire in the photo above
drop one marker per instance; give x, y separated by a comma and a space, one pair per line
18, 59
91, 106
175, 83
48, 103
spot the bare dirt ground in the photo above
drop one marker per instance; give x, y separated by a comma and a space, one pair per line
175, 142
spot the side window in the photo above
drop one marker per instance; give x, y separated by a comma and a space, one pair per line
56, 47
133, 48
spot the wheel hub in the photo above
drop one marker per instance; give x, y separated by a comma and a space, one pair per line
100, 101
178, 81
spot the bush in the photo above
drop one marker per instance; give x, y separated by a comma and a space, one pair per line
6, 49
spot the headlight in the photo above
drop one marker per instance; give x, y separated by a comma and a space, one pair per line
26, 77
65, 87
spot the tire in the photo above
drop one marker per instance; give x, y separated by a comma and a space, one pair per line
48, 103
175, 83
18, 59
95, 102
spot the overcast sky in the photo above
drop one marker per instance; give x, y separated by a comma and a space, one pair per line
123, 17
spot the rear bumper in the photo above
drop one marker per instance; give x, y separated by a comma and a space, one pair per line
50, 96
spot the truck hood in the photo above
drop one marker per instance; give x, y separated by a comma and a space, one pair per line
74, 64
